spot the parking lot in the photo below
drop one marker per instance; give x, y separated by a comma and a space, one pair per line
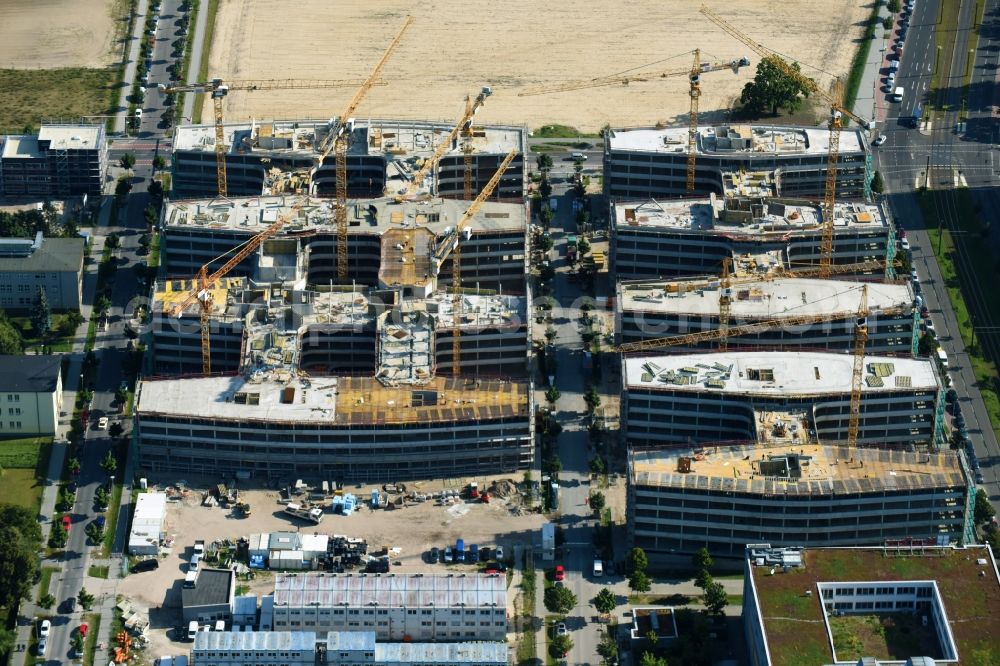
414, 530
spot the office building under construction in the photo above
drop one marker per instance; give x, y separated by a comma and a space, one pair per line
667, 311
691, 237
276, 157
640, 163
798, 397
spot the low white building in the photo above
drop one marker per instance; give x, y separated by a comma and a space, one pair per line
414, 607
30, 395
147, 524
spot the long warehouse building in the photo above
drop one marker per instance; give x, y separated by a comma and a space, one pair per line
647, 310
640, 163
690, 237
723, 498
280, 156
740, 397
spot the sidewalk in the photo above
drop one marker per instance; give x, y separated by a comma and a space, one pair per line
869, 103
194, 68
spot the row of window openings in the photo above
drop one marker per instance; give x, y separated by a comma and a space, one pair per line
877, 605
880, 591
409, 611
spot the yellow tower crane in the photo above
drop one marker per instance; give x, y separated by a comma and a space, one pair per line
218, 89
452, 245
837, 110
204, 282
694, 93
463, 125
337, 141
858, 371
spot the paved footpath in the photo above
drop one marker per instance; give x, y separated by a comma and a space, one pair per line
201, 21
130, 66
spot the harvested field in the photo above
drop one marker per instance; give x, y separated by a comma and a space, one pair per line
454, 47
49, 34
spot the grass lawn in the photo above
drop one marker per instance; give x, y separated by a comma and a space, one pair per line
45, 580
562, 132
90, 646
24, 463
893, 636
98, 571
861, 58
31, 95
31, 341
526, 647
944, 38
112, 526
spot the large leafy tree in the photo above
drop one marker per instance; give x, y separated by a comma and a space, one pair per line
20, 539
772, 89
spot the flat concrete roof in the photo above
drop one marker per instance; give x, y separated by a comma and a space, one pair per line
766, 217
20, 147
72, 137
824, 469
776, 373
763, 299
372, 216
967, 581
473, 590
722, 140
337, 401
397, 140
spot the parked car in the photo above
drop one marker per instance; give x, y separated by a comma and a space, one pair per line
561, 629
102, 423
879, 140
449, 557
434, 556
152, 564
44, 628
66, 522
559, 573
905, 243
498, 554
473, 554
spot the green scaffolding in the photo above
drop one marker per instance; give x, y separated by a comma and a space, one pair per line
869, 175
890, 254
940, 440
915, 339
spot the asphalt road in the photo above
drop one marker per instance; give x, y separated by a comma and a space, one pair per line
952, 156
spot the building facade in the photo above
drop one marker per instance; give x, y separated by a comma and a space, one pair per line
31, 396
722, 498
650, 162
211, 597
61, 161
343, 428
382, 157
653, 310
709, 398
52, 264
421, 608
691, 237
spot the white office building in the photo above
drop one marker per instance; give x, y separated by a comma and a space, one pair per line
30, 395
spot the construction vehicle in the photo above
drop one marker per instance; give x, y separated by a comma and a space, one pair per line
337, 142
837, 111
464, 125
202, 291
694, 94
218, 89
242, 509
451, 245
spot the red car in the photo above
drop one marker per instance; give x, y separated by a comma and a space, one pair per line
66, 523
84, 629
560, 573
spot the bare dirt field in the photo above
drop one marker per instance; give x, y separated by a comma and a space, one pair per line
456, 46
50, 34
414, 530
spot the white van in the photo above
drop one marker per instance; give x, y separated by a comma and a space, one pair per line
192, 629
598, 568
897, 94
943, 358
579, 157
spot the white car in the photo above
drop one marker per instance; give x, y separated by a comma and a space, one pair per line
44, 629
102, 423
879, 140
905, 244
561, 629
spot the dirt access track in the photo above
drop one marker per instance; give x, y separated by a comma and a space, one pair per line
456, 46
51, 34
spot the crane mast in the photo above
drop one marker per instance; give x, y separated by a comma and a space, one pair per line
858, 371
694, 92
456, 259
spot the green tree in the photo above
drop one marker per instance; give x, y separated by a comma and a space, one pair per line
159, 162
545, 187
878, 184
41, 314
47, 601
123, 187
560, 645
894, 6
552, 465
128, 161
703, 579
559, 599
983, 510
552, 395
652, 637
110, 463
650, 659
772, 89
95, 532
636, 561
8, 637
121, 395
20, 539
597, 465
597, 501
639, 582
701, 560
544, 243
592, 399
605, 601
116, 429
10, 339
85, 598
113, 241
550, 334
583, 246
544, 162
608, 649
57, 537
546, 216
715, 597
887, 23
76, 642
